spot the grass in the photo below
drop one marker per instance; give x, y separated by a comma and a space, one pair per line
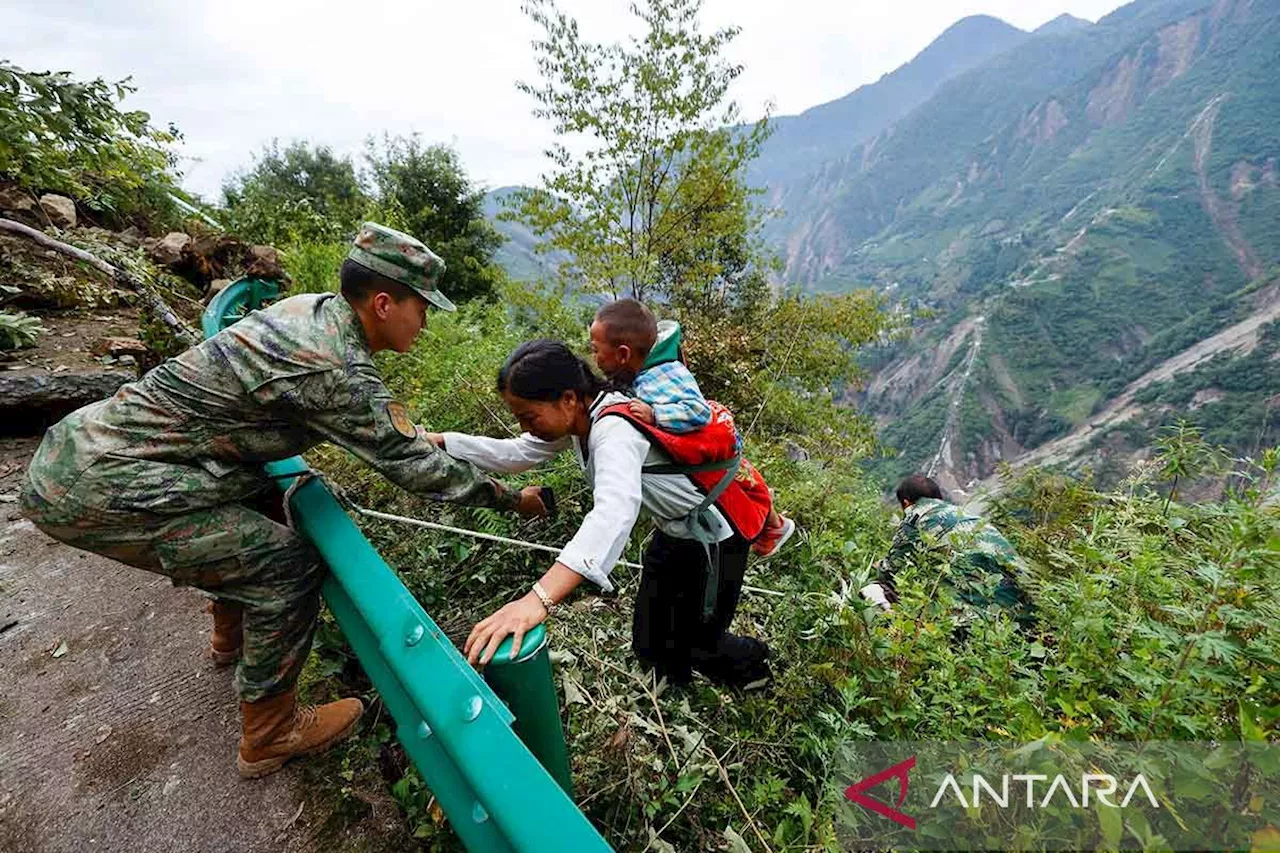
1075, 404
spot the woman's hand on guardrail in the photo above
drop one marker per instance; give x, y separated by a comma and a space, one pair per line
516, 618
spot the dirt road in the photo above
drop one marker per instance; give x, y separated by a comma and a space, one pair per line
1239, 336
116, 732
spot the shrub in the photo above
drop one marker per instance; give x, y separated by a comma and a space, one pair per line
17, 330
63, 135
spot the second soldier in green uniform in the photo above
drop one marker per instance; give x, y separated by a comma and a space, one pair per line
163, 475
981, 565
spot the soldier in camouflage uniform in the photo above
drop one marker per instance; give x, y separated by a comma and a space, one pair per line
983, 563
164, 475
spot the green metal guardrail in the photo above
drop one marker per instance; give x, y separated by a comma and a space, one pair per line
459, 734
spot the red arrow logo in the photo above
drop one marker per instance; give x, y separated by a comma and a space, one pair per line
854, 793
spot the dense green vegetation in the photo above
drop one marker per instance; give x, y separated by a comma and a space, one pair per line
304, 195
59, 134
1157, 614
1157, 622
1192, 585
299, 193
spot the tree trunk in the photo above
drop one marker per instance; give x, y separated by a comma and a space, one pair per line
149, 299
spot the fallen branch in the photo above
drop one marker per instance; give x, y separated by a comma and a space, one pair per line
150, 300
724, 776
643, 682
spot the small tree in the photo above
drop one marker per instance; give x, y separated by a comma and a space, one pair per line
301, 193
648, 207
1184, 455
425, 191
657, 207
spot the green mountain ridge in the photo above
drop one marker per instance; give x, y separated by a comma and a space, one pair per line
1086, 211
844, 202
831, 129
1117, 222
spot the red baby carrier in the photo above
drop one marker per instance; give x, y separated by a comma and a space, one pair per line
710, 458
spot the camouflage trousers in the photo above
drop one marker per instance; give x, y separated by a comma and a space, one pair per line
229, 550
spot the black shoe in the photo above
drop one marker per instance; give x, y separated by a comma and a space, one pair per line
759, 677
752, 671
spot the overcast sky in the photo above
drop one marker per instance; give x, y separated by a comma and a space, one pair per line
236, 73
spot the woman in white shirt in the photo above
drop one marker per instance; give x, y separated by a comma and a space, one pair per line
557, 399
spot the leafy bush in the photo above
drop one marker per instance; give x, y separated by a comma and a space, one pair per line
298, 194
302, 196
17, 330
425, 191
64, 135
314, 266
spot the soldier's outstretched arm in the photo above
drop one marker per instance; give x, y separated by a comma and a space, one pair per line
358, 413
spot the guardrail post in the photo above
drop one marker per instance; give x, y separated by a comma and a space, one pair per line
528, 688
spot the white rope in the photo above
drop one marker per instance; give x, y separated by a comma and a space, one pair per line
418, 522
521, 543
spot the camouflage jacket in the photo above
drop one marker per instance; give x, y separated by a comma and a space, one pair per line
983, 562
193, 432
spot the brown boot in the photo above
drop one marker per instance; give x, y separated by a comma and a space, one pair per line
276, 729
228, 631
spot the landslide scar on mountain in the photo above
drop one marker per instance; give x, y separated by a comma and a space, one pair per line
1221, 213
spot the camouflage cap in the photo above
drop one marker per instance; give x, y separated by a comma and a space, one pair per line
401, 258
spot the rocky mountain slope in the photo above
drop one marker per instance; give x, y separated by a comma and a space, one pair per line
1076, 212
1080, 210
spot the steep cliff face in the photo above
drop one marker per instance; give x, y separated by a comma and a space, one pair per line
1113, 222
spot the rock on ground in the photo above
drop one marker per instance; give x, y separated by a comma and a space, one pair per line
14, 199
264, 262
168, 249
31, 398
60, 210
118, 346
215, 287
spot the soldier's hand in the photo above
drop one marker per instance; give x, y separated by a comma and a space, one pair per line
875, 593
531, 505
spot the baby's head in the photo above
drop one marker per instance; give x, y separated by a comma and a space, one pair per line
622, 335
